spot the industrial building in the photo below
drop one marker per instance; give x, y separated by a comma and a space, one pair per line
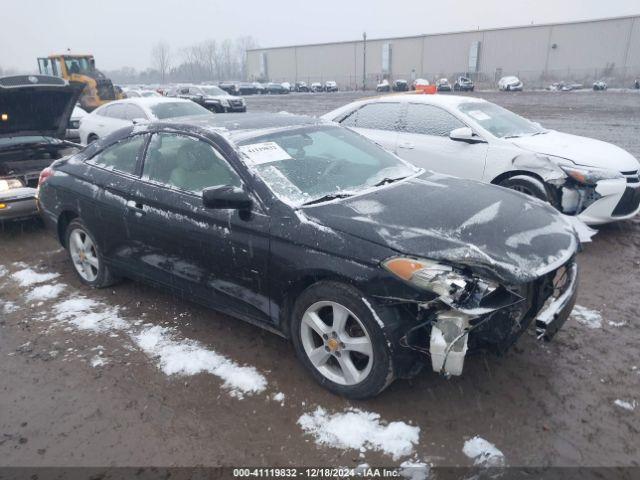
582, 51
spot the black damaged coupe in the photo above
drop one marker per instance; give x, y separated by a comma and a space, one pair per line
372, 267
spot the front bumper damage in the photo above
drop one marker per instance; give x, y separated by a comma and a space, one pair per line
604, 201
491, 319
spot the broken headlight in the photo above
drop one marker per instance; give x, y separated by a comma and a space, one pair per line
10, 184
436, 277
589, 175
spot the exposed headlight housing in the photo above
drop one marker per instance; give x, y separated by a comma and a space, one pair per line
7, 184
428, 275
589, 175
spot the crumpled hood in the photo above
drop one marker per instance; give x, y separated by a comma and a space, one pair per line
36, 105
501, 233
580, 150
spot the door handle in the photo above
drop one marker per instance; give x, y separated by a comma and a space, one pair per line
406, 145
137, 207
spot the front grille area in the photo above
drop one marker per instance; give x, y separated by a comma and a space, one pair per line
105, 90
631, 176
505, 327
628, 203
235, 103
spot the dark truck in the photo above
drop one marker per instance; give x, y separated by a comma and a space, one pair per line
34, 114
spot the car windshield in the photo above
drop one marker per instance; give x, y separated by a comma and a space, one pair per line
313, 163
177, 109
213, 90
499, 121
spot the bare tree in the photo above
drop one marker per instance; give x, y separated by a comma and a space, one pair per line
242, 45
161, 58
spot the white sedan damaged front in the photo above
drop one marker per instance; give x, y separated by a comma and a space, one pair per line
594, 195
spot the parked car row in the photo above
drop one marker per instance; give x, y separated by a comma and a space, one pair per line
372, 265
210, 97
251, 88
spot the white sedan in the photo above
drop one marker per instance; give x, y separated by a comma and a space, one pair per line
510, 83
122, 113
472, 138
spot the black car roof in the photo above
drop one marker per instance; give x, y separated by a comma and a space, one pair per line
235, 127
244, 125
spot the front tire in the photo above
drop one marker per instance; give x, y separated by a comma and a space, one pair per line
527, 185
338, 339
86, 257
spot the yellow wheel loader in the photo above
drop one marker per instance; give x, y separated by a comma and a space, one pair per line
81, 69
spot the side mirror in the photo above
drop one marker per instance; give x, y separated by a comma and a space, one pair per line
226, 197
138, 121
465, 134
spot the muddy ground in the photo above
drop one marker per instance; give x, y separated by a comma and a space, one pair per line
543, 404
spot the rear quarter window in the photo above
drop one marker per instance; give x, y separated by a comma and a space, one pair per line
376, 116
121, 157
430, 120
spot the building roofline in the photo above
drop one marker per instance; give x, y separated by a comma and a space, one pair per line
454, 32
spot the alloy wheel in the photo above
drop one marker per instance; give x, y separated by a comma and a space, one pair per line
84, 255
336, 343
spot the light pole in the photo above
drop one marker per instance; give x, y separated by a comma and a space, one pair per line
364, 61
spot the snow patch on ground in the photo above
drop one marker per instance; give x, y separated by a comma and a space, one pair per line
174, 356
98, 361
587, 317
188, 357
45, 292
3, 271
415, 470
81, 312
28, 277
616, 324
630, 406
356, 429
279, 397
483, 453
9, 307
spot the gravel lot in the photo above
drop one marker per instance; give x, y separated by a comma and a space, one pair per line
76, 396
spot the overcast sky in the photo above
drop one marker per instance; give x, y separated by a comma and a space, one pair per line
121, 32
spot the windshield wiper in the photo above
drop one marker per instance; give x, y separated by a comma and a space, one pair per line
326, 198
386, 180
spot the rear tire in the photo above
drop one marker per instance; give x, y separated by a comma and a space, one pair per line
527, 185
338, 339
86, 256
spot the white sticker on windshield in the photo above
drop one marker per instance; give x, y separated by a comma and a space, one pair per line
479, 115
266, 152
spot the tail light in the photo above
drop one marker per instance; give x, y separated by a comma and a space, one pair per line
44, 175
